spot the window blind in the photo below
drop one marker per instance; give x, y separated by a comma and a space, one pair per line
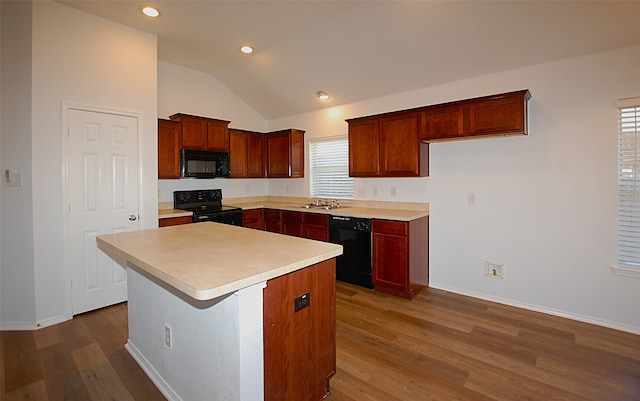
629, 182
329, 165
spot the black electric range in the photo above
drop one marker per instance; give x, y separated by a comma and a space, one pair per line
206, 205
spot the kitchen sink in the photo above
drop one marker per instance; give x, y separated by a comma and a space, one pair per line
314, 206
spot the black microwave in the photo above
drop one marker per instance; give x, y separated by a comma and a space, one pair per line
203, 164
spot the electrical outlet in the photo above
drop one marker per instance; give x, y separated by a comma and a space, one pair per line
167, 335
472, 198
494, 270
375, 191
301, 302
394, 192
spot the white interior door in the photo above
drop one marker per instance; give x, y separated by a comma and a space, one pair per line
102, 179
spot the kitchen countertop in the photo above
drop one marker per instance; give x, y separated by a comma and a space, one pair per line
370, 210
184, 257
169, 213
347, 210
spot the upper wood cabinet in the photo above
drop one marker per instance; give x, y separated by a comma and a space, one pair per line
238, 144
442, 122
285, 154
203, 133
396, 144
169, 133
387, 146
256, 166
364, 148
495, 115
499, 115
401, 152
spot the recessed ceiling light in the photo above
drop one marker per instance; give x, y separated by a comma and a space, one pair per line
323, 95
150, 12
246, 49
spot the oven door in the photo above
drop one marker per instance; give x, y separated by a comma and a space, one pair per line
232, 217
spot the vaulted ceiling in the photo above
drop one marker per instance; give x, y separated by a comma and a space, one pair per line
357, 50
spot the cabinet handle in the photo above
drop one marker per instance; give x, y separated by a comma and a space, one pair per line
133, 217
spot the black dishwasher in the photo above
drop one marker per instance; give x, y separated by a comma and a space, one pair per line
354, 234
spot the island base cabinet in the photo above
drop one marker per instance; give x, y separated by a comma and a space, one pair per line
299, 346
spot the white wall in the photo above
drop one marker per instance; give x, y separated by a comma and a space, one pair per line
183, 90
546, 203
17, 292
82, 59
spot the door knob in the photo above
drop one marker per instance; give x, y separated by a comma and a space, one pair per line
133, 217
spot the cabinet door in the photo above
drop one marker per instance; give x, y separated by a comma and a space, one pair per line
194, 133
399, 145
253, 218
278, 156
173, 221
255, 156
390, 256
502, 115
442, 122
364, 148
316, 226
168, 149
218, 135
296, 149
300, 346
273, 220
292, 223
238, 153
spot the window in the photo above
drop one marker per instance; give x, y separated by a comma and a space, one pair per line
329, 161
628, 187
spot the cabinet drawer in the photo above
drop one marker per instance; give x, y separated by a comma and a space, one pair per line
390, 227
316, 219
174, 221
295, 217
271, 214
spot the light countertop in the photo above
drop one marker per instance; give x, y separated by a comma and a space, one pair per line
208, 260
169, 213
371, 210
390, 213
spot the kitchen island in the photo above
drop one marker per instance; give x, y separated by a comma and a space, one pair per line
219, 312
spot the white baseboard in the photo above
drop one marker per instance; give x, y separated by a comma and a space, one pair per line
155, 377
30, 326
18, 326
536, 308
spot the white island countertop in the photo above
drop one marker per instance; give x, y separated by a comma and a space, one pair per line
208, 260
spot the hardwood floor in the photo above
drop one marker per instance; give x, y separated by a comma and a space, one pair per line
440, 346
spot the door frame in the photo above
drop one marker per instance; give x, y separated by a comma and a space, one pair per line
66, 109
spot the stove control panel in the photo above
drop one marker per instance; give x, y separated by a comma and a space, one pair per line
197, 197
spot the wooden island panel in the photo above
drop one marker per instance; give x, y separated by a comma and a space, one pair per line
300, 347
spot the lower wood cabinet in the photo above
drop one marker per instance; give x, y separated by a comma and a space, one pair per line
306, 225
300, 345
253, 218
292, 223
273, 220
400, 256
316, 226
174, 221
